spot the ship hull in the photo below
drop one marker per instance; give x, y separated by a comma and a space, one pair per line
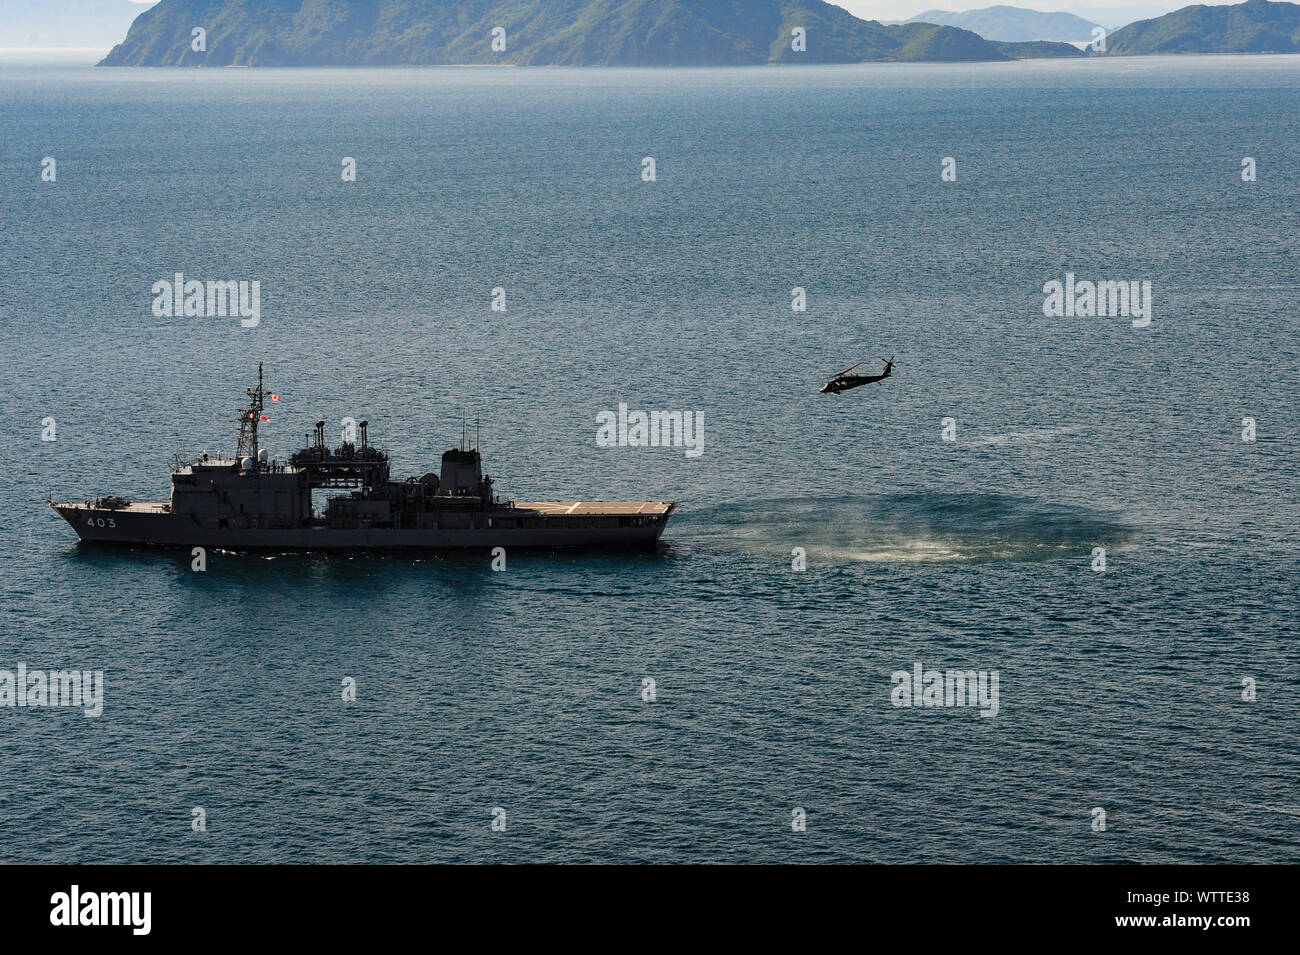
152, 525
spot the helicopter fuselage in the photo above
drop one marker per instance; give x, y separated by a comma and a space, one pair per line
845, 382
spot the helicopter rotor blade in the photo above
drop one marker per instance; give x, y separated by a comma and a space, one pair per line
850, 368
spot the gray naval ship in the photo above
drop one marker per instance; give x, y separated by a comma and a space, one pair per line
252, 501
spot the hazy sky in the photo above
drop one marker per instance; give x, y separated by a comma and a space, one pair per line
101, 23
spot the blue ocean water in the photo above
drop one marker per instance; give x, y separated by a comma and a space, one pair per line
1119, 690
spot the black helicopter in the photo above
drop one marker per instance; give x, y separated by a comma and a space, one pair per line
844, 381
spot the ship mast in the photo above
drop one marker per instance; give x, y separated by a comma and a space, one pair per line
249, 418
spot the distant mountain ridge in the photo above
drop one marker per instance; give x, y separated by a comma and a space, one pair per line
1256, 26
537, 32
1013, 24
